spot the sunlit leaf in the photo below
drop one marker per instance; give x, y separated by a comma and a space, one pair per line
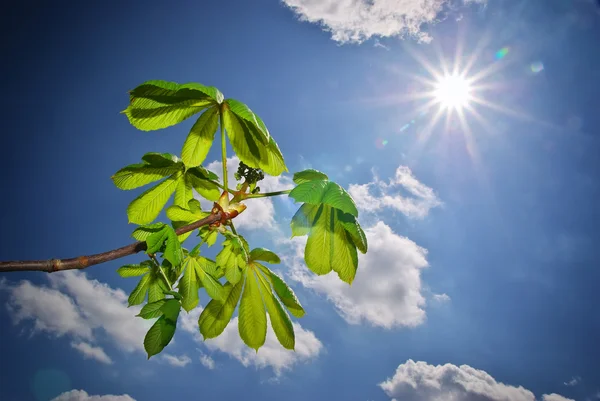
183, 192
217, 314
243, 111
280, 321
152, 310
146, 207
200, 138
138, 294
213, 288
160, 104
173, 252
188, 285
284, 292
309, 175
318, 192
264, 255
252, 322
132, 270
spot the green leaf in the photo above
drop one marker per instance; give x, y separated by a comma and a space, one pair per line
264, 255
160, 104
210, 267
232, 259
200, 138
280, 321
188, 285
174, 294
217, 314
156, 159
243, 111
309, 175
138, 294
173, 252
143, 232
330, 247
161, 333
285, 293
178, 213
138, 175
207, 189
318, 192
152, 310
213, 288
183, 192
146, 207
354, 230
303, 220
132, 270
203, 173
156, 286
246, 141
252, 323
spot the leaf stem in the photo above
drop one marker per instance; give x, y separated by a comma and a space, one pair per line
233, 230
277, 193
223, 151
162, 272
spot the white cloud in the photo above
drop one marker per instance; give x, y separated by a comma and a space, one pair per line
207, 361
260, 213
555, 397
50, 310
177, 361
441, 298
272, 354
354, 21
573, 382
419, 381
91, 352
387, 291
377, 195
78, 307
80, 395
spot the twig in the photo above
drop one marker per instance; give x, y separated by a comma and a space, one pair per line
81, 262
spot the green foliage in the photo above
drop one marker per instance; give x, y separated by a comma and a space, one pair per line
328, 215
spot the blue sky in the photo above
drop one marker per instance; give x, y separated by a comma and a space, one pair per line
481, 278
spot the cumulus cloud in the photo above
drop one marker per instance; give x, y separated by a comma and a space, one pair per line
177, 361
354, 21
80, 395
419, 381
377, 195
387, 291
90, 352
271, 355
75, 306
260, 214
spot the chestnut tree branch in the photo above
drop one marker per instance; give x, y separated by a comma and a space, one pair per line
81, 262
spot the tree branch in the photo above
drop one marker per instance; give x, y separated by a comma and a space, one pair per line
81, 262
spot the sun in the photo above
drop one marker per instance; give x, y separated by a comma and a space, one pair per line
452, 92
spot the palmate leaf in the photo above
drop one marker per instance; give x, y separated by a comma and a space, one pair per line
133, 270
264, 255
217, 314
232, 259
308, 175
329, 219
152, 310
243, 111
316, 192
189, 286
284, 292
172, 251
252, 323
280, 320
183, 192
155, 166
161, 104
161, 333
146, 207
200, 138
251, 144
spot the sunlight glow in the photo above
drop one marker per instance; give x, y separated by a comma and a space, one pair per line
453, 92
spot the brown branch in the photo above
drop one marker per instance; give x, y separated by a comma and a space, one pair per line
81, 262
